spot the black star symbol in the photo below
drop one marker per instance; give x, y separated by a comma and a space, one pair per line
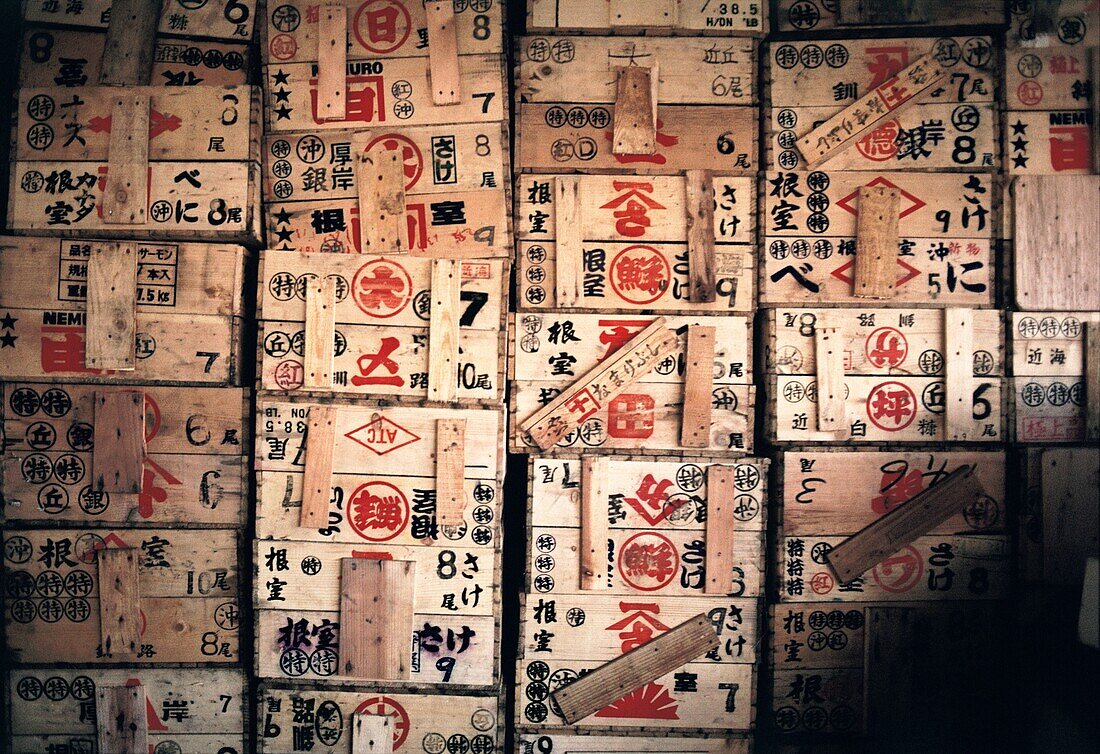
8, 322
281, 77
7, 340
1019, 127
1019, 144
284, 112
282, 95
1020, 162
284, 235
282, 217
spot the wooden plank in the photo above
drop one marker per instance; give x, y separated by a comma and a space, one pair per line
594, 525
217, 21
1092, 379
376, 618
317, 479
832, 415
443, 53
1049, 142
1043, 78
1094, 76
563, 414
699, 197
128, 50
661, 16
635, 121
881, 12
815, 16
594, 691
450, 472
893, 95
889, 669
332, 60
876, 242
112, 302
320, 333
695, 421
122, 727
1056, 212
654, 14
569, 270
443, 331
119, 441
890, 533
721, 501
127, 183
371, 734
120, 620
381, 178
958, 335
602, 742
1068, 482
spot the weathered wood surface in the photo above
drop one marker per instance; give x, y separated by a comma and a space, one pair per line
231, 20
876, 242
1048, 409
376, 611
581, 69
1069, 479
879, 341
837, 710
1049, 142
188, 579
654, 17
420, 719
1072, 23
1049, 344
536, 742
821, 15
1046, 78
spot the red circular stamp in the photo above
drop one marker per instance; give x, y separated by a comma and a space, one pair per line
882, 143
886, 347
899, 572
411, 157
385, 705
283, 46
640, 274
891, 406
822, 582
382, 26
381, 288
648, 561
289, 374
378, 511
1030, 92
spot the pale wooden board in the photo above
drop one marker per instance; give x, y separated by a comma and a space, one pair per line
128, 58
119, 604
291, 87
876, 242
450, 473
380, 182
371, 734
111, 301
330, 43
1069, 479
566, 743
118, 440
821, 15
635, 119
594, 523
444, 367
649, 16
552, 137
1029, 534
1048, 409
1047, 142
1049, 343
1050, 77
233, 21
205, 123
127, 178
1086, 19
317, 468
417, 718
443, 53
880, 409
698, 386
878, 341
841, 492
319, 336
376, 612
829, 371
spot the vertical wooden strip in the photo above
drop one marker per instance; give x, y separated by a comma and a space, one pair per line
1092, 376
371, 734
381, 179
112, 302
876, 242
888, 669
720, 525
635, 127
1069, 478
880, 12
118, 441
443, 53
320, 333
568, 241
832, 415
376, 618
594, 524
332, 60
1094, 77
443, 330
119, 603
958, 334
126, 192
317, 477
700, 235
450, 471
122, 726
698, 387
128, 47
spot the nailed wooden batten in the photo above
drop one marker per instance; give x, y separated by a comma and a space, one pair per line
118, 438
594, 524
450, 471
443, 332
320, 441
131, 37
635, 127
876, 242
721, 494
832, 414
695, 418
122, 725
380, 175
320, 333
376, 618
371, 734
332, 60
569, 241
112, 304
631, 14
700, 235
1092, 378
958, 335
443, 53
126, 192
119, 602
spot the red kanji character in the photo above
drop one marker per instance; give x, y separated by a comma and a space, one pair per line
631, 207
369, 362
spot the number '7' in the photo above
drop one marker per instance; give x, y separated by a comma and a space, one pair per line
488, 98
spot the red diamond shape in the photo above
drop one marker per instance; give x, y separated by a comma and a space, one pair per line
382, 435
914, 202
910, 272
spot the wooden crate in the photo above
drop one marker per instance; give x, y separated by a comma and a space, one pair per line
648, 417
1048, 142
945, 250
324, 718
229, 20
73, 58
1073, 23
382, 308
1050, 77
535, 743
52, 709
650, 17
822, 15
187, 589
187, 315
58, 184
195, 472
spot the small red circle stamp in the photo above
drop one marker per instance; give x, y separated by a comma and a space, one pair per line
283, 47
289, 374
1030, 92
382, 26
886, 347
381, 288
822, 582
891, 406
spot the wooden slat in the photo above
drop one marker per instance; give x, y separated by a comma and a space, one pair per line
320, 333
381, 179
443, 330
654, 14
890, 533
1092, 377
320, 441
720, 527
614, 680
450, 471
119, 602
888, 668
700, 235
122, 726
1094, 76
594, 524
371, 734
958, 334
127, 184
698, 387
876, 268
569, 242
880, 12
332, 60
131, 37
443, 53
376, 618
831, 400
118, 438
635, 126
1068, 480
112, 303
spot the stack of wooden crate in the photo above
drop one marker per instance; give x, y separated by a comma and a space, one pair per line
380, 412
632, 376
126, 432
